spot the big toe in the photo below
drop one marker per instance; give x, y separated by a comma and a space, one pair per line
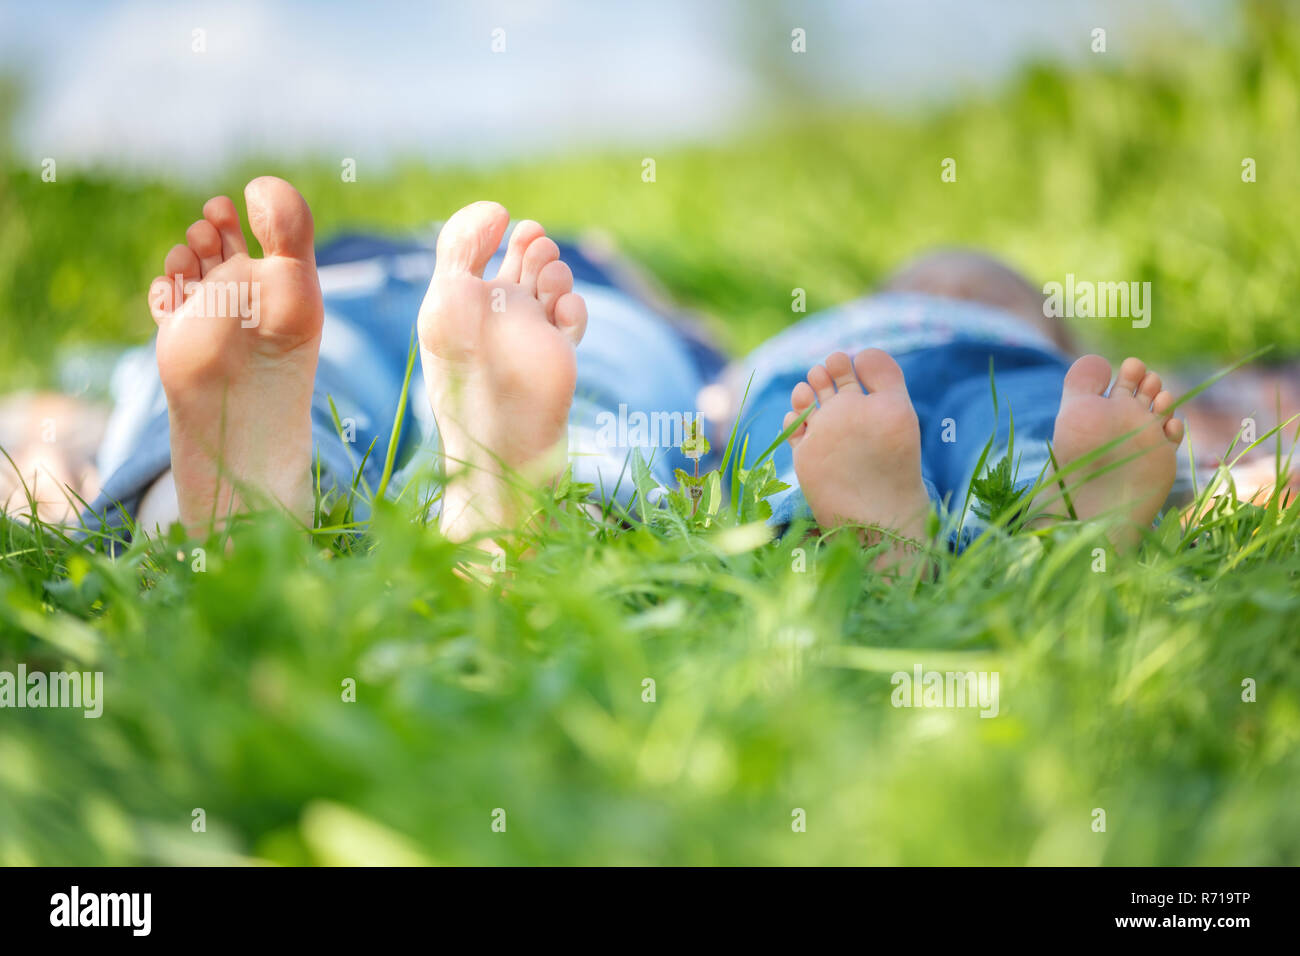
1089, 375
470, 238
878, 370
280, 218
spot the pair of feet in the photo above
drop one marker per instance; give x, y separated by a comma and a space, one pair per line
858, 453
498, 359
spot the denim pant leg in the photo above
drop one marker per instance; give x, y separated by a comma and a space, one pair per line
966, 418
365, 345
637, 388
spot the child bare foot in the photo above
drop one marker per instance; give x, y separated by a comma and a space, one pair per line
50, 439
858, 455
1136, 405
499, 362
237, 350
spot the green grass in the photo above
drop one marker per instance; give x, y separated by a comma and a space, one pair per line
522, 689
1121, 689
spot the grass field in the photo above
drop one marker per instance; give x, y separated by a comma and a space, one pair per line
523, 691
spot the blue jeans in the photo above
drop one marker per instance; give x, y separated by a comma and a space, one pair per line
639, 377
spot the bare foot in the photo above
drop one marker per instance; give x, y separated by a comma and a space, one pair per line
858, 455
499, 362
237, 354
1136, 405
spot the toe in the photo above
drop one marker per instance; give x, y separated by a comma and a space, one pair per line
820, 380
512, 266
841, 371
878, 370
1131, 373
1174, 430
796, 436
206, 243
571, 316
280, 218
168, 290
220, 211
1089, 375
539, 254
555, 280
801, 397
181, 261
1162, 403
1150, 387
161, 304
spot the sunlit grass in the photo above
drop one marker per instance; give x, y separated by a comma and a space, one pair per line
523, 688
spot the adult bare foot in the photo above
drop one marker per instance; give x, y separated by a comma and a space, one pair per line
499, 363
238, 340
1136, 406
858, 455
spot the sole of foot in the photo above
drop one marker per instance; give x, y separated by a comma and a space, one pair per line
238, 341
858, 454
1129, 482
500, 365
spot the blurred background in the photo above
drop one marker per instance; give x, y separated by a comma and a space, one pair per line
774, 169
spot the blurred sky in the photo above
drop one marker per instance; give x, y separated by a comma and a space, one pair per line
119, 84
